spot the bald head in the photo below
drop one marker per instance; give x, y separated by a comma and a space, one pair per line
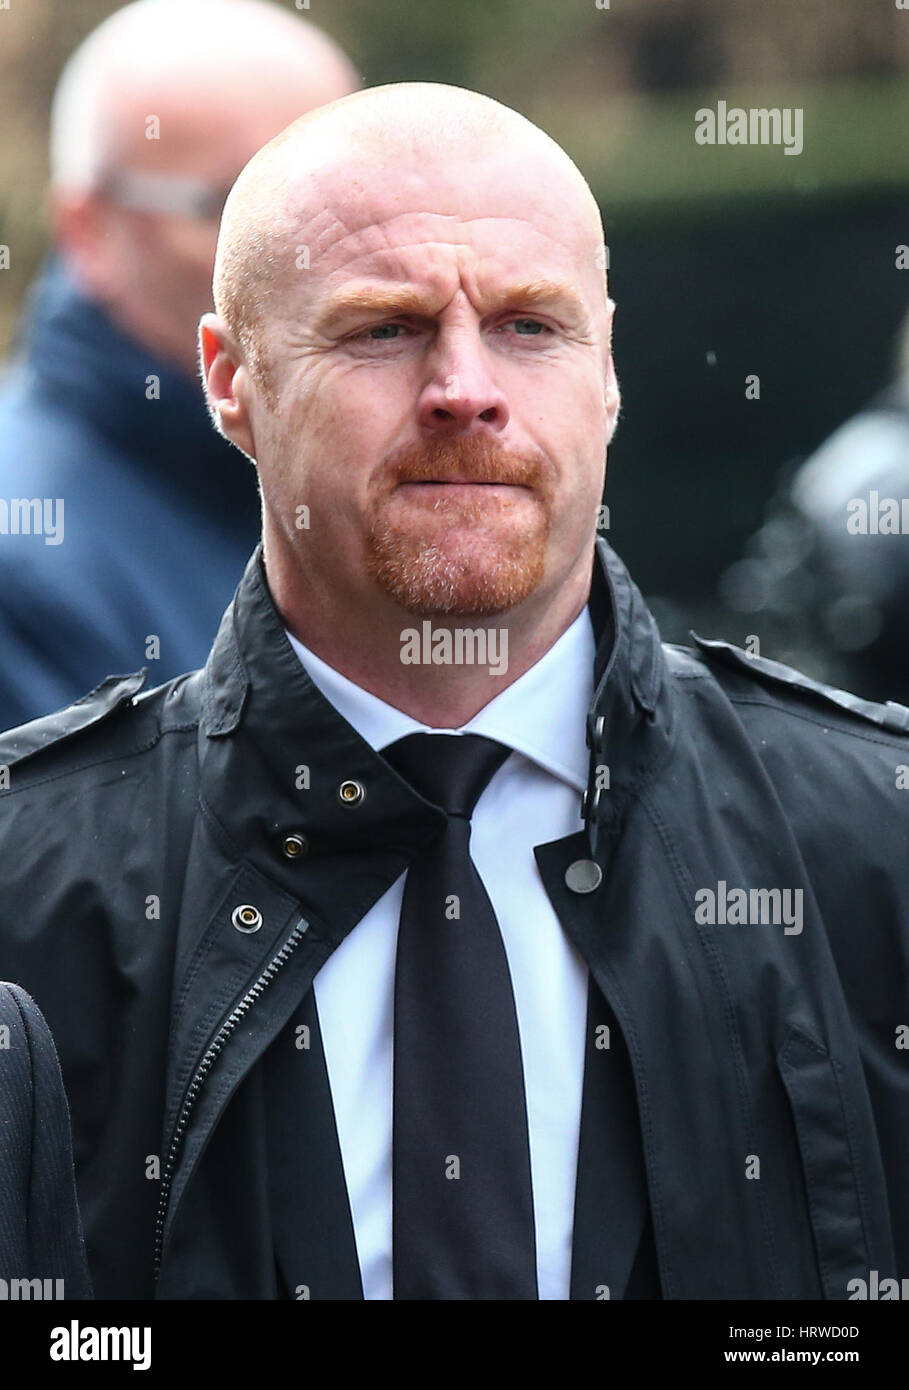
409, 135
164, 57
154, 115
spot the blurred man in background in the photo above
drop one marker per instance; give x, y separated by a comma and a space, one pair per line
125, 521
828, 572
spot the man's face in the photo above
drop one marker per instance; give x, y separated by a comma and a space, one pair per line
163, 258
440, 372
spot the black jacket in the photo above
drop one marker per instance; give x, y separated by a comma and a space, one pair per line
135, 825
42, 1254
154, 505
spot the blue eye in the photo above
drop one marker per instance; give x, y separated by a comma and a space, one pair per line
533, 324
385, 331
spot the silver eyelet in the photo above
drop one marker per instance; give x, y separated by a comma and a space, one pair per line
246, 918
351, 792
294, 846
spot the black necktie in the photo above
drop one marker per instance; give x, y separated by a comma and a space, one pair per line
462, 1205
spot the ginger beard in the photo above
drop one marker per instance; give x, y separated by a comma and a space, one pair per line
461, 551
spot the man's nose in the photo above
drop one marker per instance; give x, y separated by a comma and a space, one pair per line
461, 394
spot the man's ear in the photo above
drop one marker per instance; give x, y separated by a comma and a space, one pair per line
81, 226
226, 381
613, 396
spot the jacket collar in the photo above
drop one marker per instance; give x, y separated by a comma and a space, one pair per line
275, 752
630, 720
541, 715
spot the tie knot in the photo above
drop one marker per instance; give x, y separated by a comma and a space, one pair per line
448, 769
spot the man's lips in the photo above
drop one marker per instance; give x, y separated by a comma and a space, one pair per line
457, 482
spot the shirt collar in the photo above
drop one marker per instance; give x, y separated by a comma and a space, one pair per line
540, 715
264, 724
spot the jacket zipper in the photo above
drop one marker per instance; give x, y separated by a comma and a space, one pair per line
208, 1060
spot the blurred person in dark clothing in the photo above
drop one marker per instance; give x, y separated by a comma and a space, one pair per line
42, 1250
125, 521
827, 574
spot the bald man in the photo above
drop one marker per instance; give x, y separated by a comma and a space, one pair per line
125, 522
448, 937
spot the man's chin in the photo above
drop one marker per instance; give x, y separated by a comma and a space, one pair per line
428, 583
468, 605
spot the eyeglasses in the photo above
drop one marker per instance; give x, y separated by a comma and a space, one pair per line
174, 194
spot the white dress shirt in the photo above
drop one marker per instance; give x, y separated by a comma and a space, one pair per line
534, 797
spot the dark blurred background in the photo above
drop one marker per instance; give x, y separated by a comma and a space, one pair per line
724, 262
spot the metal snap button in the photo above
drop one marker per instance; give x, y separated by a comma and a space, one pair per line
351, 792
294, 846
246, 917
583, 876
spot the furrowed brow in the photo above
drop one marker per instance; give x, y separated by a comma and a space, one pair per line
392, 303
400, 302
539, 294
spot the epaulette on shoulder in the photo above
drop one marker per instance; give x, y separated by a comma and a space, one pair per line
99, 704
891, 715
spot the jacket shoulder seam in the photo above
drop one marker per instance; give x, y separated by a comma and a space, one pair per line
890, 717
890, 738
94, 762
691, 675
